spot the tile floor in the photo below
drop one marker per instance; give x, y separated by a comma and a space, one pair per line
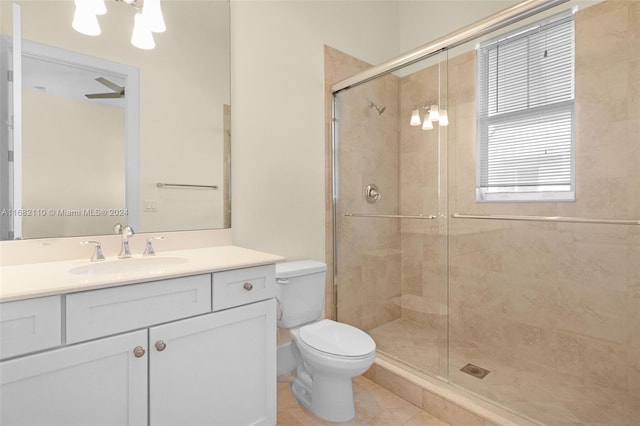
374, 406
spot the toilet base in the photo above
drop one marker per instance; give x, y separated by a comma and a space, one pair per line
328, 397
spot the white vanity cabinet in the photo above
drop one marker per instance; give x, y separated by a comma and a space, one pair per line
215, 369
30, 325
95, 383
163, 352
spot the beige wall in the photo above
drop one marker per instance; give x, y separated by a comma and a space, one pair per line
423, 21
91, 136
278, 146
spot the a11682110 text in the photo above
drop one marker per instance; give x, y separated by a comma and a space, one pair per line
84, 212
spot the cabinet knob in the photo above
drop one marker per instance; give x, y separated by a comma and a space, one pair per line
160, 345
248, 286
138, 351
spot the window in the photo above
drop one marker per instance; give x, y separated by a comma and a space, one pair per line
525, 114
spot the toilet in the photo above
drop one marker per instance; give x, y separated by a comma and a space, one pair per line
324, 354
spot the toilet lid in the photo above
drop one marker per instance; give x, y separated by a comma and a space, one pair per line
337, 338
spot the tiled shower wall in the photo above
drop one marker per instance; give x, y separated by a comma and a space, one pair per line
389, 268
368, 261
423, 166
562, 297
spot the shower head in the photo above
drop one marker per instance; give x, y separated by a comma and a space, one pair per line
378, 108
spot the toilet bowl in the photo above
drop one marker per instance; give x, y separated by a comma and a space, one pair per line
327, 354
332, 354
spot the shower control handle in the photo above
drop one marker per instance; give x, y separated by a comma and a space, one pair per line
371, 193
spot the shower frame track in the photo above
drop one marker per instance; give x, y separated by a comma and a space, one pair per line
465, 34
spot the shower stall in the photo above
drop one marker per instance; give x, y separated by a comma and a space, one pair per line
533, 306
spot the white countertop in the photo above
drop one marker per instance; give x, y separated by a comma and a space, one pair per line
50, 278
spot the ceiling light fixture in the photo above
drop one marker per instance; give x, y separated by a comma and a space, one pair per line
433, 114
415, 118
84, 18
141, 36
147, 20
152, 13
444, 118
98, 6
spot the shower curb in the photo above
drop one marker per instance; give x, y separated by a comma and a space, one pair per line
440, 399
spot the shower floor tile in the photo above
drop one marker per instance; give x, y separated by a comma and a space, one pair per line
374, 406
412, 344
543, 394
532, 390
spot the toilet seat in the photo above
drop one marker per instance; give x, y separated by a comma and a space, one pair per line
337, 339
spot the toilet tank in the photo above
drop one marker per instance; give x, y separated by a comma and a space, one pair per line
300, 291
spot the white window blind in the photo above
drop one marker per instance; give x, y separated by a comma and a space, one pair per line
526, 114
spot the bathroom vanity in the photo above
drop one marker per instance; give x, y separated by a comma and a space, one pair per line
190, 339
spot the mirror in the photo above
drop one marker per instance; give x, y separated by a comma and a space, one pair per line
157, 157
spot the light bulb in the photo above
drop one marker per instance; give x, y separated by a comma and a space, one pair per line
153, 14
415, 118
84, 19
142, 37
444, 118
427, 124
434, 115
98, 6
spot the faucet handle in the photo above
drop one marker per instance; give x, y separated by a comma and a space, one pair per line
128, 231
97, 254
148, 250
117, 228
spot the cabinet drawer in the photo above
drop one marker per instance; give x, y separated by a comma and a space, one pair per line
30, 325
242, 286
108, 311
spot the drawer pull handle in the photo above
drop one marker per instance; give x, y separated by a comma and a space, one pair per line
160, 345
248, 286
138, 351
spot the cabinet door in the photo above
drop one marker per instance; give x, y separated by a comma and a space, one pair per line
96, 383
217, 369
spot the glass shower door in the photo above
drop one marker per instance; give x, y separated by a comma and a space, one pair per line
390, 214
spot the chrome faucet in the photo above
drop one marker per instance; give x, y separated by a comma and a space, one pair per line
126, 232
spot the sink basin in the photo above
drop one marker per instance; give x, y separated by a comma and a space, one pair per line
123, 266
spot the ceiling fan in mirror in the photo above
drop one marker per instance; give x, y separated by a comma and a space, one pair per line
117, 91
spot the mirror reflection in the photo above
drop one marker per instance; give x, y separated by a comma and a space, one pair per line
113, 133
